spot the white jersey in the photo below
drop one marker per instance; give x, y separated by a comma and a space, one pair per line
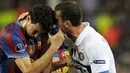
92, 53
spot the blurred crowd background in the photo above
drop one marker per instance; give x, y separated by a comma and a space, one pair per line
108, 17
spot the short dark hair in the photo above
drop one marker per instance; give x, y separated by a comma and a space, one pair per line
43, 15
70, 10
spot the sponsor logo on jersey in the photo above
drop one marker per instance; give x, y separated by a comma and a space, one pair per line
81, 56
99, 62
20, 47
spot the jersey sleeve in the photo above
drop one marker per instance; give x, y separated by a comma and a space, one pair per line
13, 46
99, 58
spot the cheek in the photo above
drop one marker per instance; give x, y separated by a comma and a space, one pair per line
30, 29
64, 29
60, 24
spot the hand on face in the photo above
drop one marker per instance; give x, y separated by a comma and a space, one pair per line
57, 39
23, 15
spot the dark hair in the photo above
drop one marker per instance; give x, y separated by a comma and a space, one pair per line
70, 10
43, 15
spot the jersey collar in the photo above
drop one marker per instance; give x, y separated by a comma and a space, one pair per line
82, 34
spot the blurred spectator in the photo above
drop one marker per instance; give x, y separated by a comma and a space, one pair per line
6, 17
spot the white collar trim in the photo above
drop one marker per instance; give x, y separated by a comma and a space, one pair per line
82, 34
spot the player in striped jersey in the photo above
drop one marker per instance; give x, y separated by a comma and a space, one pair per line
14, 52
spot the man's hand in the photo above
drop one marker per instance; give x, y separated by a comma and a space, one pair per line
68, 62
56, 40
61, 63
23, 15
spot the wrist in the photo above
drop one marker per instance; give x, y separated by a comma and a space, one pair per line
54, 48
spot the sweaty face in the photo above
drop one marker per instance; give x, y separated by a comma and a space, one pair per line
32, 29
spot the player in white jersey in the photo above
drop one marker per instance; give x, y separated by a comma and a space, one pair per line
91, 53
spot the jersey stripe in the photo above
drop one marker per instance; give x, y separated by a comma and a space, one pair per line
9, 41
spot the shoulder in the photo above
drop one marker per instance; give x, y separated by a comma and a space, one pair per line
11, 36
13, 45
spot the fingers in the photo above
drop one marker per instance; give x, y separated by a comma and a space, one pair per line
23, 15
59, 35
49, 35
59, 32
57, 39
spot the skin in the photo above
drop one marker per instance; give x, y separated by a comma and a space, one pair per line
30, 27
71, 31
67, 27
40, 64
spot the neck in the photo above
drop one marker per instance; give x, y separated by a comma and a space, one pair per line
22, 23
77, 30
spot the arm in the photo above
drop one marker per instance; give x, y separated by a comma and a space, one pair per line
59, 64
48, 68
36, 67
26, 66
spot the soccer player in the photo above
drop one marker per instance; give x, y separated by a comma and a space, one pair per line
91, 52
14, 49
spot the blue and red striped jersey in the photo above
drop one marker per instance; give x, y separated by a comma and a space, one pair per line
13, 44
12, 41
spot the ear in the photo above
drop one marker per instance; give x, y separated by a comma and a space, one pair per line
28, 17
68, 23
